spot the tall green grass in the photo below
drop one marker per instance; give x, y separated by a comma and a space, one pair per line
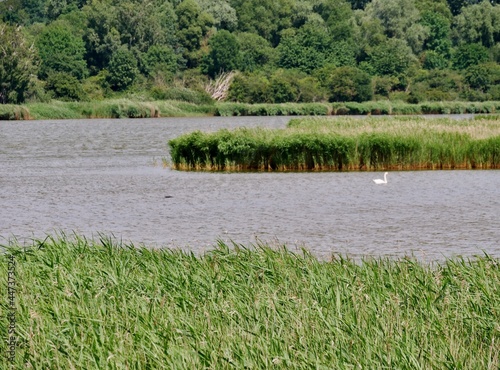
344, 144
116, 108
192, 106
285, 109
13, 112
383, 107
84, 304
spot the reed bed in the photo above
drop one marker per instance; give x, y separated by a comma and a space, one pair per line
98, 304
384, 107
329, 144
117, 108
13, 112
127, 108
285, 109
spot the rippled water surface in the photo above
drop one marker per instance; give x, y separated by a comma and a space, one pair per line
91, 176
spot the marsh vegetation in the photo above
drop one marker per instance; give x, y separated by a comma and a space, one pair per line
99, 304
396, 143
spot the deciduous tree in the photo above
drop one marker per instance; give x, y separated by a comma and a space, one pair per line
224, 55
61, 51
17, 64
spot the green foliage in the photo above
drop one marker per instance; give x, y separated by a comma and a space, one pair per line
325, 144
400, 20
238, 306
17, 65
173, 41
249, 88
482, 76
337, 16
101, 36
140, 27
438, 39
159, 58
223, 14
265, 18
307, 49
61, 51
468, 55
434, 60
65, 86
288, 109
282, 87
122, 69
383, 85
255, 51
13, 112
278, 87
181, 94
312, 47
349, 84
224, 55
436, 85
192, 23
391, 58
479, 23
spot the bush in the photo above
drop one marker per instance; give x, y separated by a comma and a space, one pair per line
159, 59
65, 86
224, 55
281, 86
433, 60
383, 85
470, 54
482, 76
122, 69
349, 84
182, 94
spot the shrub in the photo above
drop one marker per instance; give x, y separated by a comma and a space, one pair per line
434, 60
349, 84
122, 69
470, 54
182, 94
65, 86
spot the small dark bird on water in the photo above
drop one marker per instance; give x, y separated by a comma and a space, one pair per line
168, 196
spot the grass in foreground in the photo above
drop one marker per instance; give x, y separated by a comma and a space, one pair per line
97, 305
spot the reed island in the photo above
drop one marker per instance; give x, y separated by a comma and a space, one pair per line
345, 144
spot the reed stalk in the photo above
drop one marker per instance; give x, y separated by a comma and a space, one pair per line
100, 304
326, 144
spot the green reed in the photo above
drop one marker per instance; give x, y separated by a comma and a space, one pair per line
345, 144
383, 107
135, 107
99, 304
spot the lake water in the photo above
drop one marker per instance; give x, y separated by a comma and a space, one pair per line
105, 176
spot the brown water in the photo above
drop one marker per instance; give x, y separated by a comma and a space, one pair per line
105, 176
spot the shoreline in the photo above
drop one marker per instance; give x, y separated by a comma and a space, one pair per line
126, 108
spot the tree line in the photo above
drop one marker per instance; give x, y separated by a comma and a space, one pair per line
281, 50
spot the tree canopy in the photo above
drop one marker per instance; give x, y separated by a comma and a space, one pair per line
283, 49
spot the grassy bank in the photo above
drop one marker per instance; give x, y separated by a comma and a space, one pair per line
353, 108
126, 108
97, 305
345, 144
120, 108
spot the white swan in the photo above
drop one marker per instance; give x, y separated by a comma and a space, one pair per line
379, 181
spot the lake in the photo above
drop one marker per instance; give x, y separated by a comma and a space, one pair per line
106, 176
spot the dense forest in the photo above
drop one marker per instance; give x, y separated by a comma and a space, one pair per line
256, 51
